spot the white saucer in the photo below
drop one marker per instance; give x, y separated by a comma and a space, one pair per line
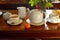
36, 24
49, 20
15, 23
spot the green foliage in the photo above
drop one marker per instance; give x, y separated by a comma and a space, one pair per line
49, 4
35, 2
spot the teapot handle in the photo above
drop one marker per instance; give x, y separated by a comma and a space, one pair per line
28, 10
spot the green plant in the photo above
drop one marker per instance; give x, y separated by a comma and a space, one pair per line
42, 3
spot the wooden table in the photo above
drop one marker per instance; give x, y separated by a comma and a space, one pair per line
19, 31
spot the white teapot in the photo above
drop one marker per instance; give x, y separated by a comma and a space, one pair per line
36, 16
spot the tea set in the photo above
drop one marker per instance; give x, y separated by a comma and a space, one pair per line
12, 19
35, 17
52, 17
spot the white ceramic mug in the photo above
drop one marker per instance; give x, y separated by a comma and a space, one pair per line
14, 19
22, 12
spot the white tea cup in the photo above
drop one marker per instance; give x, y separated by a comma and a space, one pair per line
54, 17
14, 19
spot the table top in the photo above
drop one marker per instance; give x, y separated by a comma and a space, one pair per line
5, 27
33, 31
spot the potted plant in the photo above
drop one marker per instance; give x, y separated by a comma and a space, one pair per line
41, 3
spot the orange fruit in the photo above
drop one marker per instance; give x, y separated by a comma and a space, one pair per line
27, 26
